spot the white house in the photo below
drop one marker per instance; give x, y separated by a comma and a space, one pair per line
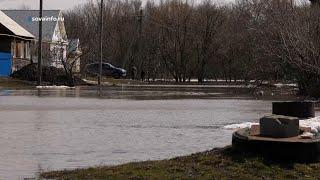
55, 40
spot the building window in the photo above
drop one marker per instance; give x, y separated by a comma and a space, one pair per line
16, 49
21, 50
27, 50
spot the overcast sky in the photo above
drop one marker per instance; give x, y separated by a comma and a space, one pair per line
50, 4
34, 4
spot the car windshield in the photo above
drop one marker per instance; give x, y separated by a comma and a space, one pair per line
92, 66
104, 65
108, 65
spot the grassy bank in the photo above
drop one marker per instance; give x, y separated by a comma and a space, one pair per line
12, 83
215, 164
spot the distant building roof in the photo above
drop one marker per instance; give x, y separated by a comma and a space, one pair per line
74, 47
24, 18
14, 27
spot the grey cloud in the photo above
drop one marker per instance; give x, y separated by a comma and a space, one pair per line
56, 4
34, 4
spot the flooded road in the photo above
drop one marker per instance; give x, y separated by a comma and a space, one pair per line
65, 130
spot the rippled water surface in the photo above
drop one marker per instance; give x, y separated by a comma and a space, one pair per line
53, 133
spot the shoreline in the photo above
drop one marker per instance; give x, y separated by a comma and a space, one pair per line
219, 163
12, 83
209, 90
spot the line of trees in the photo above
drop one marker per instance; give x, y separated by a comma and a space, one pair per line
248, 40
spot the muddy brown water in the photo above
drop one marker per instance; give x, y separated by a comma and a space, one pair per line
44, 130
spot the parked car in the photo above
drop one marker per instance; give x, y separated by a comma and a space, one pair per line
107, 70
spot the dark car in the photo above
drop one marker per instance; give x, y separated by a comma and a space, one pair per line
107, 70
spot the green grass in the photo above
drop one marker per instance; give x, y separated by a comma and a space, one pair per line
215, 164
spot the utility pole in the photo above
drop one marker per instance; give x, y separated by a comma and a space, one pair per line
140, 16
101, 43
139, 43
40, 45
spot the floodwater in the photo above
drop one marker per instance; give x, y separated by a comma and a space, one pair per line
43, 130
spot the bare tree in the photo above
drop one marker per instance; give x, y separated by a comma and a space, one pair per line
262, 40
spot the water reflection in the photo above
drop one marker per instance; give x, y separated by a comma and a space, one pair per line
134, 92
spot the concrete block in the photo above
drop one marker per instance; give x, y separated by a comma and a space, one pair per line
278, 126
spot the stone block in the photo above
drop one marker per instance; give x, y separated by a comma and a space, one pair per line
278, 126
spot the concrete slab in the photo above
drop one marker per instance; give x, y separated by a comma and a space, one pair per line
278, 126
